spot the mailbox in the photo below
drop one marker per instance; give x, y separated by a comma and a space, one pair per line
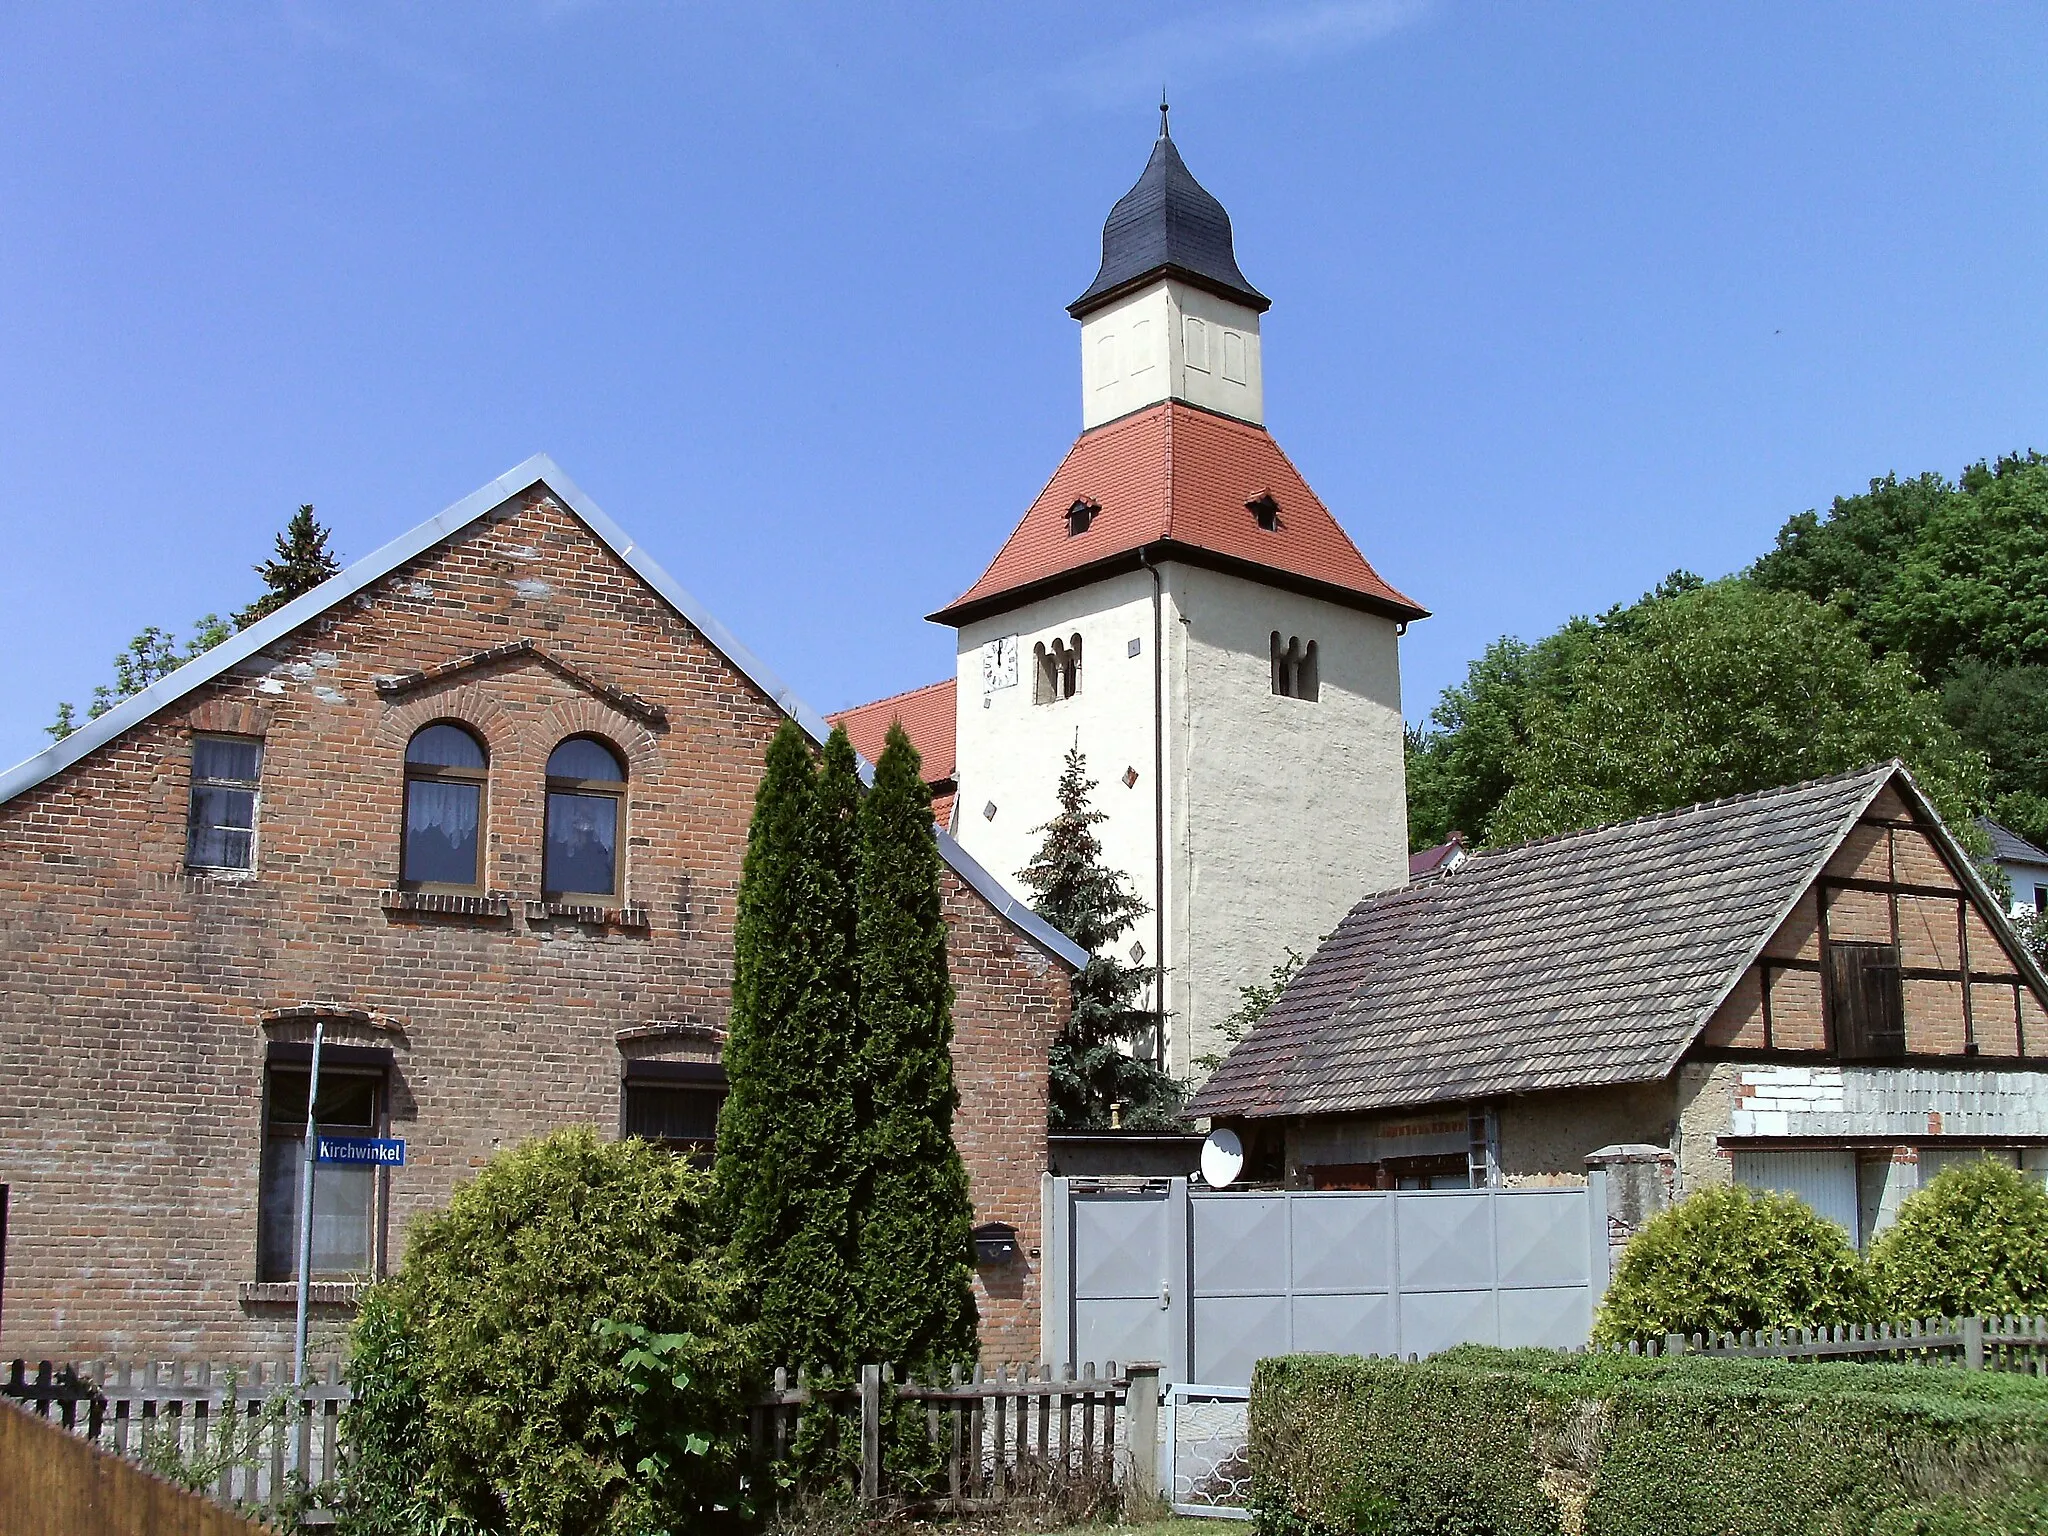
995, 1242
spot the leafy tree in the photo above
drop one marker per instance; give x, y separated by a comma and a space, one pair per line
303, 562
1852, 556
1095, 907
786, 1153
1730, 1258
2003, 713
558, 1354
917, 1303
1975, 583
150, 656
1718, 691
1253, 1004
1974, 1242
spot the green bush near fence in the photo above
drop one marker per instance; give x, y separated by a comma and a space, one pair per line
1732, 1258
1489, 1442
1973, 1242
557, 1356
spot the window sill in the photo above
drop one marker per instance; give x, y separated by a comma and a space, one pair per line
578, 912
445, 904
285, 1293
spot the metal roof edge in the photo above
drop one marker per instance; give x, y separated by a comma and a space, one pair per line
380, 562
1006, 902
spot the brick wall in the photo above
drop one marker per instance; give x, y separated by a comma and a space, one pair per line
138, 1002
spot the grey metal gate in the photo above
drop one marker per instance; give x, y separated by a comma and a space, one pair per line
1207, 1282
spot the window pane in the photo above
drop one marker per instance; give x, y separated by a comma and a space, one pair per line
581, 758
219, 835
441, 832
213, 758
348, 1101
344, 1199
583, 833
445, 746
664, 1113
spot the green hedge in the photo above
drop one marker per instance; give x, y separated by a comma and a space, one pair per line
1489, 1442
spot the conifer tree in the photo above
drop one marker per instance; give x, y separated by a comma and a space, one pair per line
786, 1137
916, 1301
1095, 907
303, 562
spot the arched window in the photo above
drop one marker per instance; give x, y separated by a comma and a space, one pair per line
445, 772
1294, 669
1057, 674
586, 804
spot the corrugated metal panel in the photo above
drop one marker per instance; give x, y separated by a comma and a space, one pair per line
1824, 1180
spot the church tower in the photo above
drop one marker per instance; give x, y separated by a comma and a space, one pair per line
1179, 603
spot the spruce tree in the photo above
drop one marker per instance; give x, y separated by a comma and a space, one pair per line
916, 1299
786, 1137
1095, 907
303, 562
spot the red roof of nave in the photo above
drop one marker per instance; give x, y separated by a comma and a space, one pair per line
927, 716
1176, 476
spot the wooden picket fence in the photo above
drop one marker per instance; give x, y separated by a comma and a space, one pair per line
262, 1442
1007, 1434
1975, 1343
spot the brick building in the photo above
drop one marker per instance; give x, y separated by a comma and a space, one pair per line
477, 806
1808, 989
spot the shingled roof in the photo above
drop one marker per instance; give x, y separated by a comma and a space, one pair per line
1167, 225
1573, 962
1177, 482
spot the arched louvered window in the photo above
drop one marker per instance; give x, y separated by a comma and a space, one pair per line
1056, 670
1295, 669
446, 775
585, 817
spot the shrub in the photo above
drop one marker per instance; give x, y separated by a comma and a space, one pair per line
1973, 1242
1532, 1443
1731, 1258
557, 1354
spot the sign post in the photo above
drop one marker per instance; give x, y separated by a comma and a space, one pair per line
306, 1210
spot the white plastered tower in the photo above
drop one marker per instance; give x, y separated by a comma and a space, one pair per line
1179, 604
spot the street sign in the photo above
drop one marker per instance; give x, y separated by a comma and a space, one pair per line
380, 1151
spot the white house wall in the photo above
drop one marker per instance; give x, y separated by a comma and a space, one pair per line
1170, 341
1010, 750
1293, 809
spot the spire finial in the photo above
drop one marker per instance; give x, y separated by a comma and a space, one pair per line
1164, 132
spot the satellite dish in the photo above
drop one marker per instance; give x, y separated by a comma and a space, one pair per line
1222, 1159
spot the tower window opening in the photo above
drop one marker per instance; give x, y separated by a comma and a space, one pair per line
1265, 511
1294, 669
1056, 673
1080, 515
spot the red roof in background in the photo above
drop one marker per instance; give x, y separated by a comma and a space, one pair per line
1430, 860
1178, 474
927, 716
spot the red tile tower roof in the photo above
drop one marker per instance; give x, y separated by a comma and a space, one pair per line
927, 716
1180, 483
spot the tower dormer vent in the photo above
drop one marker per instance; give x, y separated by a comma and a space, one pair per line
1080, 515
1265, 511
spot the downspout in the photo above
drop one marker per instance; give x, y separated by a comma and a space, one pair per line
1158, 813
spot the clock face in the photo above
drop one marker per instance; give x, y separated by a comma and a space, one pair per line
999, 664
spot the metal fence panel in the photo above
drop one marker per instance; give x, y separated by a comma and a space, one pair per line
1211, 1283
1340, 1242
1446, 1241
1540, 1237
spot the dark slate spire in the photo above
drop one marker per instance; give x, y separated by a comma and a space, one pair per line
1167, 226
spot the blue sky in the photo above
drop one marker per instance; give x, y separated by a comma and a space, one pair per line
1564, 296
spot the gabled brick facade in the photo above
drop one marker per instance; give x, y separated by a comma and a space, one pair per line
138, 1002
